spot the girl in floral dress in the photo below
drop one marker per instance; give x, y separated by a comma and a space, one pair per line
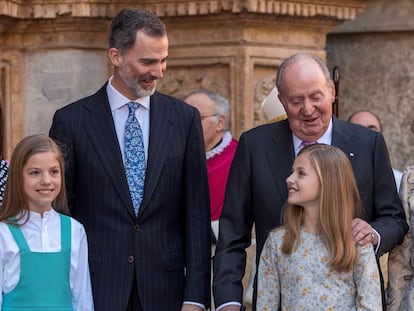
312, 262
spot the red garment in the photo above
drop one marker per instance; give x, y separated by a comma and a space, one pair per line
218, 170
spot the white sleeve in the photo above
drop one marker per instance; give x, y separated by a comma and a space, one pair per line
1, 271
80, 281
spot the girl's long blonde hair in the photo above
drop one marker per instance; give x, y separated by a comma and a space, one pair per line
339, 204
15, 199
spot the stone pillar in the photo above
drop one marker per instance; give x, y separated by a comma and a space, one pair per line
46, 64
54, 52
375, 53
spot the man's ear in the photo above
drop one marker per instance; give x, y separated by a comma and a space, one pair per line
115, 57
333, 91
221, 122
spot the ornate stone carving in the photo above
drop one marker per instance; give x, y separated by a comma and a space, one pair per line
261, 90
179, 81
232, 47
341, 10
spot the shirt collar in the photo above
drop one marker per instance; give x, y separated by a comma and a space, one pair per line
326, 138
117, 100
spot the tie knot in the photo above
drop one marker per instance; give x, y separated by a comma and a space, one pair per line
305, 143
132, 106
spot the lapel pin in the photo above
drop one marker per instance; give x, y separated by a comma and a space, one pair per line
351, 154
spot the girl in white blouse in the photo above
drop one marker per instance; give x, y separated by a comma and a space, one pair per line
43, 252
312, 262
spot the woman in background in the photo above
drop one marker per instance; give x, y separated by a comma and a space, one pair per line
3, 163
400, 290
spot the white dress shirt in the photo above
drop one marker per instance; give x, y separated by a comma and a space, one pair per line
43, 235
326, 139
120, 111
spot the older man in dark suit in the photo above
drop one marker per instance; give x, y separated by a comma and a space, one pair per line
137, 179
256, 189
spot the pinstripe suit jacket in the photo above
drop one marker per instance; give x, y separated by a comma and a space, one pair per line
168, 244
256, 192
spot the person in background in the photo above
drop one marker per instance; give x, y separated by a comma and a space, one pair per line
219, 144
401, 259
43, 252
317, 238
272, 107
3, 163
371, 121
137, 178
256, 189
220, 147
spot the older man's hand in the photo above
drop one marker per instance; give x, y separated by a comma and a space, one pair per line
363, 232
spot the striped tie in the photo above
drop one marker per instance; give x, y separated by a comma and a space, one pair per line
305, 143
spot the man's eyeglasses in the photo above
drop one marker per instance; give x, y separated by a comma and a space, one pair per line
208, 116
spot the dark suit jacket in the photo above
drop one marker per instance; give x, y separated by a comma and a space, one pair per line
256, 192
168, 244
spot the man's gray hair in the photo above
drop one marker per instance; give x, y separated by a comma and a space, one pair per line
221, 107
297, 57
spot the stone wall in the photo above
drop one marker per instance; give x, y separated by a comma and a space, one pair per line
375, 53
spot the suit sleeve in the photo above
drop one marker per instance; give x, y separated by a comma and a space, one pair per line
61, 135
389, 217
236, 223
197, 219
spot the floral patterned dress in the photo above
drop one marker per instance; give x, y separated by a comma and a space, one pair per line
305, 281
401, 258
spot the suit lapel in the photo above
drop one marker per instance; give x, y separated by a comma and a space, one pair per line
100, 128
282, 137
281, 151
160, 128
342, 138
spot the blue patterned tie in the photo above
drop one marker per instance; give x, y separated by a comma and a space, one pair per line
135, 164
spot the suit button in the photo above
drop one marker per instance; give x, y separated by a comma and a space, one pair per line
137, 228
131, 259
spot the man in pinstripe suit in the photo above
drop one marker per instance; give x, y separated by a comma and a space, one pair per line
159, 259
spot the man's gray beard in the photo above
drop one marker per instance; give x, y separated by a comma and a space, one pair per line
140, 92
136, 89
